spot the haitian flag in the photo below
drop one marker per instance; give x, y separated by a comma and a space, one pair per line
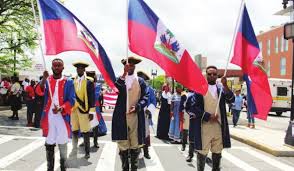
248, 56
148, 37
63, 31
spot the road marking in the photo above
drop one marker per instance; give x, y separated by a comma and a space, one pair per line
23, 137
154, 163
5, 139
269, 160
107, 159
237, 162
9, 159
21, 127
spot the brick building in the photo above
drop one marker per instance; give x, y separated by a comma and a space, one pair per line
277, 53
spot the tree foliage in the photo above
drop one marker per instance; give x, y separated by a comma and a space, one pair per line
17, 34
157, 82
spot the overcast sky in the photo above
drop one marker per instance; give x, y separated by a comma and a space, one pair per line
203, 26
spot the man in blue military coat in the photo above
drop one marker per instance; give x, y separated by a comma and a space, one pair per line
211, 126
128, 121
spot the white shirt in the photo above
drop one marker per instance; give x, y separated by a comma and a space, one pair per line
213, 90
129, 80
79, 81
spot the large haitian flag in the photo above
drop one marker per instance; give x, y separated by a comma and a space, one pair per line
248, 56
63, 31
148, 37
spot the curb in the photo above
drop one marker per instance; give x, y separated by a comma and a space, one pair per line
263, 147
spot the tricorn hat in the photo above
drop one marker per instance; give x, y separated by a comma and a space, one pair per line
81, 64
91, 74
143, 75
131, 60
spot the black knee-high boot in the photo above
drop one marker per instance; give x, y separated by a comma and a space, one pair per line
134, 159
50, 156
146, 152
191, 152
95, 136
200, 161
75, 139
184, 139
63, 156
87, 144
124, 156
216, 160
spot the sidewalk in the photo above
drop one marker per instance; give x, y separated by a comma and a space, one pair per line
265, 139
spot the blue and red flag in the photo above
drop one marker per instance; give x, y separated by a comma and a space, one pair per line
63, 31
148, 37
248, 56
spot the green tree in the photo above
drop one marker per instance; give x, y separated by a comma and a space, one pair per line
17, 35
157, 82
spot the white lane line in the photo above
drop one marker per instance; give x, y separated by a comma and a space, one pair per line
154, 163
23, 137
9, 159
238, 162
269, 160
107, 159
5, 139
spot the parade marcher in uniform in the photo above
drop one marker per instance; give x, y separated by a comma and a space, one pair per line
85, 103
191, 100
212, 131
174, 128
15, 98
59, 98
98, 118
128, 122
184, 121
149, 111
164, 114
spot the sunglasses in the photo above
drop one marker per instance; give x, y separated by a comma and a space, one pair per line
211, 74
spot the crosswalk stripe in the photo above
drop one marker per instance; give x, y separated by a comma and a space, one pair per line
269, 160
237, 162
107, 159
6, 161
154, 163
5, 139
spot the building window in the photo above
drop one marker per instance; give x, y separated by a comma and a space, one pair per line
260, 46
283, 66
268, 68
277, 45
268, 47
286, 45
282, 43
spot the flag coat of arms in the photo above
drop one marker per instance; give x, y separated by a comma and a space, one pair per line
63, 31
149, 38
248, 56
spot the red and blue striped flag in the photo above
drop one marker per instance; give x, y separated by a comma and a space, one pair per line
248, 56
63, 31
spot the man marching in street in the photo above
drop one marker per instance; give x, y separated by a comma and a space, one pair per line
149, 111
85, 102
128, 122
98, 118
59, 97
212, 131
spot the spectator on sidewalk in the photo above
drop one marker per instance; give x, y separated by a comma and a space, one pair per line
4, 87
15, 98
38, 105
250, 116
30, 100
25, 83
237, 107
